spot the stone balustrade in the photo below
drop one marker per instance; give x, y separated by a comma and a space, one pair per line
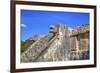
81, 29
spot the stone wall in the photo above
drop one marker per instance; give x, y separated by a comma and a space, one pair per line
80, 43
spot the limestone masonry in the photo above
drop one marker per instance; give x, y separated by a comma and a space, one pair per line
60, 44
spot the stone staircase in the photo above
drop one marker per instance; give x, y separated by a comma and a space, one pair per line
35, 50
40, 57
52, 47
56, 51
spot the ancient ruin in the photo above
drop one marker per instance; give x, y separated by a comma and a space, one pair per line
60, 44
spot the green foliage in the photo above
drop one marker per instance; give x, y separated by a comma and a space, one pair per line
26, 44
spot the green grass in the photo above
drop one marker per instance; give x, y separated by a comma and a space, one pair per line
26, 44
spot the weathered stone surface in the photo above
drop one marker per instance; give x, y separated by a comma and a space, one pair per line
80, 44
58, 50
81, 29
61, 44
36, 37
35, 49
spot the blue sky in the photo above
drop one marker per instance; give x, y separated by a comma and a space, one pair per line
35, 22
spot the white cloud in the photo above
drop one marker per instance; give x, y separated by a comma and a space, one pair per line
23, 25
